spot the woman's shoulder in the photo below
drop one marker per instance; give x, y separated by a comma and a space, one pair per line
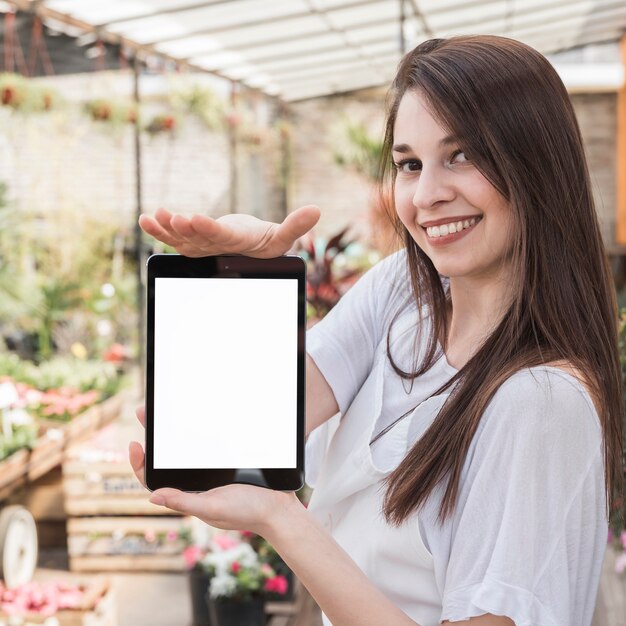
558, 387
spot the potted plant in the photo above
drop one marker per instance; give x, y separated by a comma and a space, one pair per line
198, 578
330, 271
239, 582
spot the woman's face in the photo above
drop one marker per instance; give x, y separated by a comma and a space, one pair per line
437, 183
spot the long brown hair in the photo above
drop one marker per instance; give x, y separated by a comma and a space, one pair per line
513, 117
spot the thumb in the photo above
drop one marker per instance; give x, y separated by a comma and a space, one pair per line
298, 223
181, 501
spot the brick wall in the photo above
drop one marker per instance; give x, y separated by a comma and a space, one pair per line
64, 160
343, 195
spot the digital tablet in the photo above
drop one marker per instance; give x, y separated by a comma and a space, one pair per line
225, 379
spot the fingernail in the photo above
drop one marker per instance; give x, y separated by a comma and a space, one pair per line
157, 500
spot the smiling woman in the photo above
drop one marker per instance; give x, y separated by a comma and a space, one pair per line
476, 370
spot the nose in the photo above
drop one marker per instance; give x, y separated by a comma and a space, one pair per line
433, 186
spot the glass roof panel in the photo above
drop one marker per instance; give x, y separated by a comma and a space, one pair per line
190, 46
282, 51
321, 58
378, 32
344, 18
301, 46
232, 14
356, 64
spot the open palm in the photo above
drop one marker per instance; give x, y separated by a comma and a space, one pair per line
201, 235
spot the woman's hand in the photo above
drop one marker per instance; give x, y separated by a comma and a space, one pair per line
233, 507
200, 235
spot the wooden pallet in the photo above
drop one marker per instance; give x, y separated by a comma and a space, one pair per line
105, 489
98, 544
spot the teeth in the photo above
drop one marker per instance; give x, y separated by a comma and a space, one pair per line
446, 229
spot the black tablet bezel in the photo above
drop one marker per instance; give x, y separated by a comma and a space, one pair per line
225, 266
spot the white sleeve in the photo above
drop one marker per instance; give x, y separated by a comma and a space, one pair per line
343, 344
531, 508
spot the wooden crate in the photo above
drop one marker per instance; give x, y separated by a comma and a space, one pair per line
105, 488
53, 440
94, 418
13, 472
125, 543
99, 609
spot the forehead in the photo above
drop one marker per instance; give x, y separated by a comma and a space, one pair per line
414, 120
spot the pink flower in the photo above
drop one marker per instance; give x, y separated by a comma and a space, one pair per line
622, 538
192, 554
620, 563
172, 535
235, 567
247, 534
149, 535
266, 569
278, 584
224, 542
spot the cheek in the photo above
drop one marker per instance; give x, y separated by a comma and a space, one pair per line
403, 198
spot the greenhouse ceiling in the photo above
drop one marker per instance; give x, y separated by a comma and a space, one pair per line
297, 49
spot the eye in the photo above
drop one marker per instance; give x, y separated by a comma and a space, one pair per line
408, 165
459, 153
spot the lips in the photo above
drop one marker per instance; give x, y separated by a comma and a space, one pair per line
448, 220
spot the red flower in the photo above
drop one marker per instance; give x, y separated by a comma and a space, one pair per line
278, 584
115, 353
235, 567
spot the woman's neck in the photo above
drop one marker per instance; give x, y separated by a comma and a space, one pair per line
476, 308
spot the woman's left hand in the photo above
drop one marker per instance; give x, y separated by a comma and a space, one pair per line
233, 507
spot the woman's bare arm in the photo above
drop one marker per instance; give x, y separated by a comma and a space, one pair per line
320, 399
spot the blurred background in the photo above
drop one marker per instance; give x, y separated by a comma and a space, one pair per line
111, 108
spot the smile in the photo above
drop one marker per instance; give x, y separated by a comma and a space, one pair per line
447, 233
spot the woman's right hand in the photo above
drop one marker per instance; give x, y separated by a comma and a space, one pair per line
237, 233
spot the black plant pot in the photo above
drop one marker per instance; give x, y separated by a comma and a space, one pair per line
227, 612
198, 586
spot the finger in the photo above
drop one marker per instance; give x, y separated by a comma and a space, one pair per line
151, 227
181, 225
188, 503
199, 243
164, 218
217, 235
137, 460
140, 412
297, 224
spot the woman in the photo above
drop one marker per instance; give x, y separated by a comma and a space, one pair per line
476, 370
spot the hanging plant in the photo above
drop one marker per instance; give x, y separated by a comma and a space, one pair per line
202, 102
163, 123
112, 112
22, 95
356, 149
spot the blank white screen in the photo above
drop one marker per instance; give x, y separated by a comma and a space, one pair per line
225, 373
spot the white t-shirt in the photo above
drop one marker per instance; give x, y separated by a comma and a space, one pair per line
528, 534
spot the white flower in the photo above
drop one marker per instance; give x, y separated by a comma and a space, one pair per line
222, 561
8, 395
222, 585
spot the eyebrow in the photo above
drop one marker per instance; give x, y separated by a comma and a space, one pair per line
403, 148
